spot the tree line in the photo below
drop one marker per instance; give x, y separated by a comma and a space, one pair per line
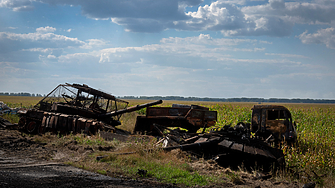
179, 98
243, 99
22, 94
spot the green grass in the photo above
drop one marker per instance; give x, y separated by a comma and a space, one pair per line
163, 166
13, 118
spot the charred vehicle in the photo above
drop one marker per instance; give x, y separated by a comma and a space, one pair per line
253, 144
76, 108
273, 123
232, 147
190, 117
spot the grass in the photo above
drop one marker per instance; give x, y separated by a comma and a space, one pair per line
20, 101
13, 118
156, 164
312, 158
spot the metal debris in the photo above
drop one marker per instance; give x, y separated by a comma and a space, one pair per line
4, 109
252, 144
76, 108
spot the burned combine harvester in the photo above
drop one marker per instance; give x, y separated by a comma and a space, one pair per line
76, 108
251, 144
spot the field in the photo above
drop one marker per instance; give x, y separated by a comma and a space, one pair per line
312, 158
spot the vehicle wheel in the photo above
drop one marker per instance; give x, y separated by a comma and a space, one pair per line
22, 122
31, 127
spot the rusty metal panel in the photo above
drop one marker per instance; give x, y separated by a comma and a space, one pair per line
202, 139
237, 147
88, 125
74, 124
52, 122
225, 143
249, 149
69, 123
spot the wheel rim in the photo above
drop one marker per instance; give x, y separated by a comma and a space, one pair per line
31, 126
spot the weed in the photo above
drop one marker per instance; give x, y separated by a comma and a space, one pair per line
103, 172
13, 118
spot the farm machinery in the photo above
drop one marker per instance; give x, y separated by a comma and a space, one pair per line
79, 108
76, 108
190, 117
253, 144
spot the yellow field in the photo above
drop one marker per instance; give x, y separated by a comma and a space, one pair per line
19, 101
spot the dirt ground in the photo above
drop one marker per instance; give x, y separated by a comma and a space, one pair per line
26, 163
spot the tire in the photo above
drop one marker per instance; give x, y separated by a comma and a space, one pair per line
31, 127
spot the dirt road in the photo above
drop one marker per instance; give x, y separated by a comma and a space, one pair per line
23, 163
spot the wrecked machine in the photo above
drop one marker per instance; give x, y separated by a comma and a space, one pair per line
77, 108
253, 144
190, 117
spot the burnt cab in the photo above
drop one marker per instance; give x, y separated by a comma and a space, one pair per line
273, 122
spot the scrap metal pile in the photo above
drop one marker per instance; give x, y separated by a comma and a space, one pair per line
81, 109
254, 144
251, 144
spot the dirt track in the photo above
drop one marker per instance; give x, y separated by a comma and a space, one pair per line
23, 164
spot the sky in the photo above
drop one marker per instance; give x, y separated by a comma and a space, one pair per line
199, 48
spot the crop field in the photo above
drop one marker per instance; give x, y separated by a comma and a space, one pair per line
312, 157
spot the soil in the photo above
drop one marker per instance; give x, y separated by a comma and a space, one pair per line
26, 163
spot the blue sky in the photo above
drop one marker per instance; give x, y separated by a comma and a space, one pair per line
200, 48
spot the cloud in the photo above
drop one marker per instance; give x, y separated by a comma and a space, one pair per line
189, 52
46, 29
17, 5
90, 43
35, 40
231, 17
322, 36
40, 45
287, 55
217, 16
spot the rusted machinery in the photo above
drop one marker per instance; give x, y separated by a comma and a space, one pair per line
76, 108
273, 123
252, 144
190, 117
233, 146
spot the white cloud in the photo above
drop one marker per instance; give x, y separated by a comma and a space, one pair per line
287, 55
176, 51
44, 50
40, 37
94, 43
46, 29
322, 36
216, 16
17, 5
51, 57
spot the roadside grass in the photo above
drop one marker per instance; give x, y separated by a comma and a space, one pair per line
148, 161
